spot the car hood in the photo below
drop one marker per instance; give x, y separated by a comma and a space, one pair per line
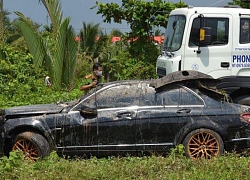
34, 109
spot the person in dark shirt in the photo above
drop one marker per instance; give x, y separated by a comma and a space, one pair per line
93, 79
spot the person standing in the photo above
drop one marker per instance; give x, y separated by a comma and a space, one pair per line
244, 33
47, 81
94, 78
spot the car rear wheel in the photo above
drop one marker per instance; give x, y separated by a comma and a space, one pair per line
203, 143
32, 145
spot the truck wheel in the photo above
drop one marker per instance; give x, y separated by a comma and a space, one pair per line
32, 145
244, 100
203, 143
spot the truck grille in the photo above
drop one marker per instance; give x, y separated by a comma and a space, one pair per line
161, 72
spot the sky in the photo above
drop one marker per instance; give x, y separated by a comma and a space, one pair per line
79, 11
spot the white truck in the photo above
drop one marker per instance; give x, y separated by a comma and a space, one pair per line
212, 40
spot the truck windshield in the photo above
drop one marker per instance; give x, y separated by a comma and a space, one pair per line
174, 33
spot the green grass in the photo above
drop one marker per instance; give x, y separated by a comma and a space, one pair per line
230, 166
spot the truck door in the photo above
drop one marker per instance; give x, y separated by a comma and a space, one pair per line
213, 58
241, 55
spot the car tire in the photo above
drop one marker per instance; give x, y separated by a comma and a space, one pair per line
203, 143
244, 100
33, 145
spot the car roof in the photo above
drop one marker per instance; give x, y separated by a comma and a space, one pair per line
183, 77
190, 78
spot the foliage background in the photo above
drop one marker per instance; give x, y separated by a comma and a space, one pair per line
36, 52
23, 67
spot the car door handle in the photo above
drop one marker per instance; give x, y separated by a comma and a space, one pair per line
125, 114
224, 64
180, 111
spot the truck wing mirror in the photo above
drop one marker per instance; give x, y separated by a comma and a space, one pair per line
205, 35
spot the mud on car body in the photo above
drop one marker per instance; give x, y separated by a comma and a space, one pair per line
132, 116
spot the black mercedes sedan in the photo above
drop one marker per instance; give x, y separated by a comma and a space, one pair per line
132, 117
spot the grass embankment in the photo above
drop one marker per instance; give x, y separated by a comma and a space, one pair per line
229, 167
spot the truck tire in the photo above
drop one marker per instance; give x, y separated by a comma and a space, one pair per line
32, 145
203, 143
244, 100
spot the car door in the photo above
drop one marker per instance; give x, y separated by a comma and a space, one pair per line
117, 110
158, 124
111, 129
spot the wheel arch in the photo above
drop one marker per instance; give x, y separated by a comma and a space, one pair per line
201, 125
11, 134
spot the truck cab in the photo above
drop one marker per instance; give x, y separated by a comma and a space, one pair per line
212, 40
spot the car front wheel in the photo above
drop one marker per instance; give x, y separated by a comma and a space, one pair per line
32, 145
203, 143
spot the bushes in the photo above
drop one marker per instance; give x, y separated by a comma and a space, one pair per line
21, 83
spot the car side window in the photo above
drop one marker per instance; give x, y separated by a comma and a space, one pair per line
148, 95
177, 96
119, 96
152, 97
168, 97
188, 98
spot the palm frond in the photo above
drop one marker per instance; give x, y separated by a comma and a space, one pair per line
59, 54
64, 57
53, 8
32, 38
69, 57
88, 37
17, 42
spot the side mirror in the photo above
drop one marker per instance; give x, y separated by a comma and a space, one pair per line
205, 35
88, 112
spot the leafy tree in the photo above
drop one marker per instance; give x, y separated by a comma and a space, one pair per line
240, 3
137, 14
96, 46
139, 62
109, 55
56, 50
88, 49
89, 36
9, 34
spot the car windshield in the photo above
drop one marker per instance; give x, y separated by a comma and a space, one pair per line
174, 33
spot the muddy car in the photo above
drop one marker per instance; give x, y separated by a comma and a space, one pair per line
131, 117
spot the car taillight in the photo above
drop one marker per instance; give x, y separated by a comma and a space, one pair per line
245, 117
